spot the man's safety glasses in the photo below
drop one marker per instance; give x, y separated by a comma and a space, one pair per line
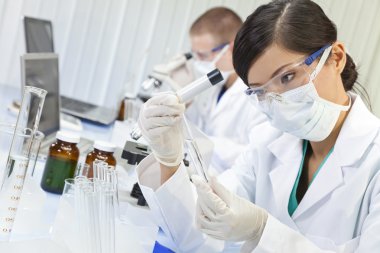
207, 55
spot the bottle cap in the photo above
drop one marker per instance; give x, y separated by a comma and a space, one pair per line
104, 146
130, 95
68, 137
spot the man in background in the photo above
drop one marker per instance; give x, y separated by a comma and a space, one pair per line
223, 113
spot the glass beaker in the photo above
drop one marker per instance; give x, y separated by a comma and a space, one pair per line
11, 188
17, 162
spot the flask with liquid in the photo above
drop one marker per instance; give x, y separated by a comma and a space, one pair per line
61, 162
16, 145
102, 151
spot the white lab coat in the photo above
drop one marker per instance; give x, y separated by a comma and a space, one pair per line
340, 211
227, 122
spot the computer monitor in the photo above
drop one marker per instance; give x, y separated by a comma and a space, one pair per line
41, 70
38, 35
39, 39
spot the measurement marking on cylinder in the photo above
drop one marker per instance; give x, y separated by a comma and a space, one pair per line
17, 187
15, 198
13, 209
10, 195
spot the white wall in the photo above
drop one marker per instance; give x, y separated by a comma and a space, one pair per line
106, 45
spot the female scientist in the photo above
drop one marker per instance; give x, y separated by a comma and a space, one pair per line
310, 183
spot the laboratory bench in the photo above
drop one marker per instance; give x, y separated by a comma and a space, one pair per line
36, 220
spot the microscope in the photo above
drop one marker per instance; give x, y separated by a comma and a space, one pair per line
176, 73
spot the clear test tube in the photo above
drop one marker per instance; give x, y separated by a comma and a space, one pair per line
106, 216
92, 200
107, 219
112, 178
194, 152
18, 157
80, 215
99, 168
34, 151
107, 174
95, 214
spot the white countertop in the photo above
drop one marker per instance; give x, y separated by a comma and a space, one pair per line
34, 222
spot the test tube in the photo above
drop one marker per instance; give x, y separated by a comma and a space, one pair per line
34, 151
194, 152
95, 213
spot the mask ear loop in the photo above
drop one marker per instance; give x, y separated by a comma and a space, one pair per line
218, 56
320, 64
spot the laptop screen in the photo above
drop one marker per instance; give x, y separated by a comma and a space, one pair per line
38, 35
41, 70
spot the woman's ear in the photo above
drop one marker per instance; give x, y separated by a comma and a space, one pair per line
231, 46
338, 56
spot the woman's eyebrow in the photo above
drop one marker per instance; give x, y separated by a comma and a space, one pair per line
273, 74
280, 69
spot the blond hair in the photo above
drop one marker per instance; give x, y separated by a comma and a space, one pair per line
222, 23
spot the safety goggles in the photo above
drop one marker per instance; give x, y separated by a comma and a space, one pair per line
293, 76
207, 55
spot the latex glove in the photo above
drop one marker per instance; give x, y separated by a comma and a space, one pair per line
160, 121
226, 216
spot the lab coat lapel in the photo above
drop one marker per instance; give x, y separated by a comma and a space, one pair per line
226, 100
327, 180
288, 151
358, 131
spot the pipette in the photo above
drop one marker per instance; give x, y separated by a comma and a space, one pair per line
187, 93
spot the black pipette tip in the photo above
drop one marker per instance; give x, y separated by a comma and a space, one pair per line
215, 76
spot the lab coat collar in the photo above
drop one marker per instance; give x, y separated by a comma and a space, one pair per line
358, 131
238, 87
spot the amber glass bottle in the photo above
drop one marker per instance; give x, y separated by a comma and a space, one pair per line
61, 162
102, 151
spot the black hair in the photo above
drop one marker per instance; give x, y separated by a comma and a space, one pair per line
297, 25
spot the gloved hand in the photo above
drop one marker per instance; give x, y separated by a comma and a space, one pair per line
160, 121
226, 216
